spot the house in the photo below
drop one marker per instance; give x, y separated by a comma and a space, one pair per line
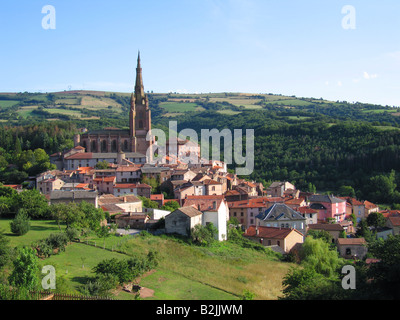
128, 204
215, 210
128, 174
284, 238
122, 189
46, 186
183, 220
282, 216
334, 229
159, 198
311, 215
58, 196
370, 207
104, 184
352, 248
134, 221
246, 211
328, 207
357, 208
394, 224
295, 202
278, 188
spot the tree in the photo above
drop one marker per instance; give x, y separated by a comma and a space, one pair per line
21, 224
171, 206
204, 235
26, 268
317, 254
102, 165
386, 272
147, 203
347, 191
363, 231
5, 250
376, 220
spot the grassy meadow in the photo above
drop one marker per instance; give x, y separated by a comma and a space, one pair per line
185, 272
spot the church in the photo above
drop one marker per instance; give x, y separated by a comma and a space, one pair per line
111, 143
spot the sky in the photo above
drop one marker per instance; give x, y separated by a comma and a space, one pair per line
336, 50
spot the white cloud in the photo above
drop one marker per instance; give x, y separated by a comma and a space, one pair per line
369, 76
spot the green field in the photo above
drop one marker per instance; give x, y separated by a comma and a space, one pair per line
226, 271
8, 103
39, 230
179, 106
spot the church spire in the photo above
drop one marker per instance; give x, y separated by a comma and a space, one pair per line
139, 88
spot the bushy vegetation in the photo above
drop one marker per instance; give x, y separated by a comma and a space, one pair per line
20, 225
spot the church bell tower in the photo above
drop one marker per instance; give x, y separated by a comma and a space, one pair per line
140, 115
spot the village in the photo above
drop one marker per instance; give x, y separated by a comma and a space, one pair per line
278, 216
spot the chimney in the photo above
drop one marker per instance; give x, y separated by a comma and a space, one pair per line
124, 199
257, 231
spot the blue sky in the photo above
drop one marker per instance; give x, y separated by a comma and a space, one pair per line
289, 47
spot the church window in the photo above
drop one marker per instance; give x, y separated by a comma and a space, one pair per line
114, 146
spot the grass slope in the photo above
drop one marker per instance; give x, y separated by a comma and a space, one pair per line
186, 272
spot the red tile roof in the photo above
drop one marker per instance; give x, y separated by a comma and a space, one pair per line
269, 232
80, 156
351, 241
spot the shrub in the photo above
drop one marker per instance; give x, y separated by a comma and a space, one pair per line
21, 224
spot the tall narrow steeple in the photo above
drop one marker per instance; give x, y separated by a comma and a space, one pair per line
139, 88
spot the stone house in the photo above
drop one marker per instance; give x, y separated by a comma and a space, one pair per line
350, 248
182, 220
278, 188
334, 229
394, 224
46, 186
128, 174
134, 221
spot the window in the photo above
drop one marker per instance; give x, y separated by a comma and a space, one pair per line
348, 251
278, 243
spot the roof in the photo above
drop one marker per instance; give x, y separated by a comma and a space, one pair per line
351, 241
280, 211
92, 155
269, 232
295, 201
326, 226
110, 199
189, 211
369, 205
128, 168
80, 194
325, 199
156, 197
105, 179
204, 203
395, 221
